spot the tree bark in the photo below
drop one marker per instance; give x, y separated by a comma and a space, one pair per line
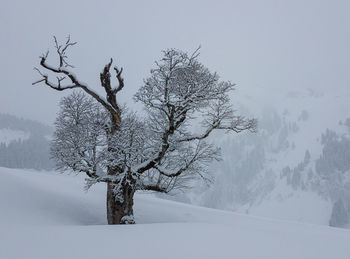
120, 212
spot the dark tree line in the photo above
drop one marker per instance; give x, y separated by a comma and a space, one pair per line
31, 152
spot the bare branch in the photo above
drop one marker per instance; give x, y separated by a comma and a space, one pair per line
105, 78
120, 80
238, 125
61, 51
154, 188
68, 44
44, 55
196, 53
110, 104
39, 81
38, 70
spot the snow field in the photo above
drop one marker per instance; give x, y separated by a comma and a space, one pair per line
45, 215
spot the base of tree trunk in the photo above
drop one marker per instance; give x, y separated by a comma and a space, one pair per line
120, 212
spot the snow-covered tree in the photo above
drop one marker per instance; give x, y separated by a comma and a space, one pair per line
158, 152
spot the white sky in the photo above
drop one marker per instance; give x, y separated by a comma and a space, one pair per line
263, 46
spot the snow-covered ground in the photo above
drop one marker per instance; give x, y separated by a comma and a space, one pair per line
46, 215
287, 204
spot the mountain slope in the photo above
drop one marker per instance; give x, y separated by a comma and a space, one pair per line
44, 215
24, 143
296, 167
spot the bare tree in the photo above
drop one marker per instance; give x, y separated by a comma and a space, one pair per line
159, 152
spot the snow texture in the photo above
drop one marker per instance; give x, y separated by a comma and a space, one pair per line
45, 215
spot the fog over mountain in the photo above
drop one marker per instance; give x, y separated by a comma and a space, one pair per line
290, 60
297, 166
24, 143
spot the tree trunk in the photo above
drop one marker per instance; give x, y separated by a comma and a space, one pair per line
120, 212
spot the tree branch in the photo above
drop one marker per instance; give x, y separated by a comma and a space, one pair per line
110, 104
154, 188
236, 126
120, 80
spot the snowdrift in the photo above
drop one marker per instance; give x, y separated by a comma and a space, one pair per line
46, 215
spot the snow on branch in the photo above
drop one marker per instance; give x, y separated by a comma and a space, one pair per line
62, 73
179, 92
159, 152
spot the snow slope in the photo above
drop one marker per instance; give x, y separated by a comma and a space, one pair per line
45, 215
285, 203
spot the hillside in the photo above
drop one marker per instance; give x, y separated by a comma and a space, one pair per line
45, 215
24, 143
297, 167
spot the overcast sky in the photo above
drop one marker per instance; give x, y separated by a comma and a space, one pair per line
262, 46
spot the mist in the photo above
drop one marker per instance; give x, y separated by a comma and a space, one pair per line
266, 48
254, 164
